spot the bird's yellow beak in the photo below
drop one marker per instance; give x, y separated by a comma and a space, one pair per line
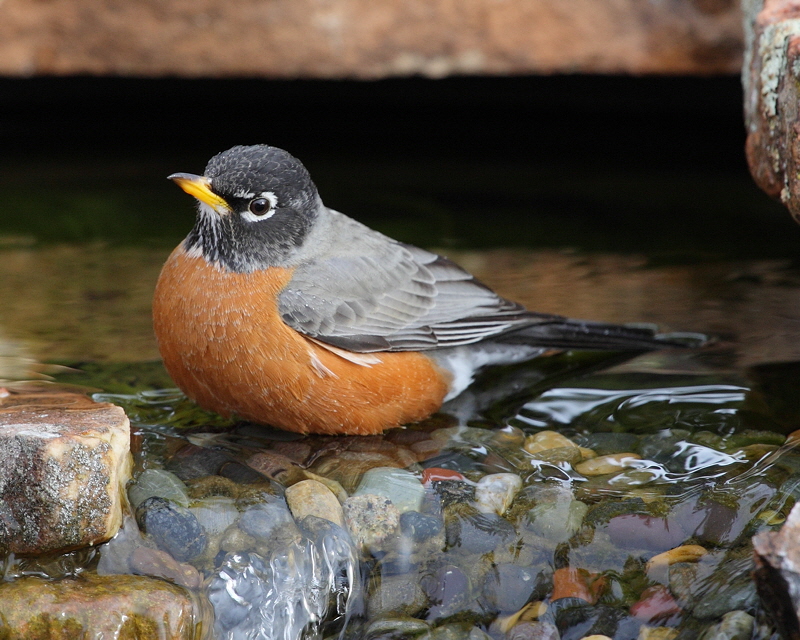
200, 188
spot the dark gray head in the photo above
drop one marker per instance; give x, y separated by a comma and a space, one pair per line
256, 206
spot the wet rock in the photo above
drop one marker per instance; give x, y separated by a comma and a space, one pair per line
656, 604
271, 464
434, 474
262, 520
348, 467
159, 483
611, 463
577, 583
207, 486
192, 462
310, 497
777, 574
534, 631
735, 625
396, 626
557, 521
645, 532
403, 488
159, 564
215, 514
397, 594
508, 587
453, 491
420, 527
552, 447
731, 587
371, 519
657, 633
173, 528
448, 590
495, 493
120, 606
604, 443
66, 460
296, 474
297, 451
477, 532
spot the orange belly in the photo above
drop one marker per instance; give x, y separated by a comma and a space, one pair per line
225, 345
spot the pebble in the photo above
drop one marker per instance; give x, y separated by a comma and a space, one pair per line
310, 497
348, 467
611, 463
547, 440
657, 633
577, 583
449, 590
655, 604
477, 532
528, 613
261, 520
402, 487
371, 519
508, 587
557, 521
419, 526
159, 564
453, 491
215, 514
159, 483
684, 553
534, 631
735, 625
495, 493
173, 528
396, 626
397, 594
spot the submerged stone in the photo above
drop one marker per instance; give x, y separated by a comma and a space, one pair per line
371, 519
402, 487
108, 607
312, 498
159, 483
173, 528
495, 493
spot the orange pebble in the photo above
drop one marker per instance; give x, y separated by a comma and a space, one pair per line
436, 473
577, 583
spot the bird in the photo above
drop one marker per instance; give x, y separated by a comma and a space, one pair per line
282, 311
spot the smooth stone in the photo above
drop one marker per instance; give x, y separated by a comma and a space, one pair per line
420, 526
173, 528
215, 514
92, 606
534, 631
546, 440
297, 474
508, 587
575, 583
312, 498
449, 590
158, 483
602, 465
397, 594
396, 626
261, 520
495, 493
477, 532
608, 442
402, 487
159, 564
656, 604
735, 625
191, 462
213, 486
65, 462
271, 464
371, 519
557, 521
730, 588
657, 633
235, 540
348, 467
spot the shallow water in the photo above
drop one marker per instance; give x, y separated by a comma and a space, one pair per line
702, 432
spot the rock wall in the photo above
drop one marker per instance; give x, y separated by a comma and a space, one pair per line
368, 39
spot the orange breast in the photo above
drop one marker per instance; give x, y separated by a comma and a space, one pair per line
225, 345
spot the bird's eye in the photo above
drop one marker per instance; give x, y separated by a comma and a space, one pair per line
260, 206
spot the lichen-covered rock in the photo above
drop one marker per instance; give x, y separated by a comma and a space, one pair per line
66, 460
92, 606
771, 79
371, 519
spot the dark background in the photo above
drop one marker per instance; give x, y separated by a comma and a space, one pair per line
596, 163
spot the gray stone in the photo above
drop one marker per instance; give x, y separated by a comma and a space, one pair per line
66, 460
173, 528
159, 483
402, 487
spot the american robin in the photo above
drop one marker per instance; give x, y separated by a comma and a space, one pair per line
278, 309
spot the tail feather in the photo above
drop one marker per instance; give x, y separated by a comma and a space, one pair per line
577, 334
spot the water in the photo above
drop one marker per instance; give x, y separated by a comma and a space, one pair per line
706, 460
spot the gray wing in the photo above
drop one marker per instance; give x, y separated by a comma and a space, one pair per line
394, 297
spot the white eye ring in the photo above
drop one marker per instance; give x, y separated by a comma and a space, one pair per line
268, 213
